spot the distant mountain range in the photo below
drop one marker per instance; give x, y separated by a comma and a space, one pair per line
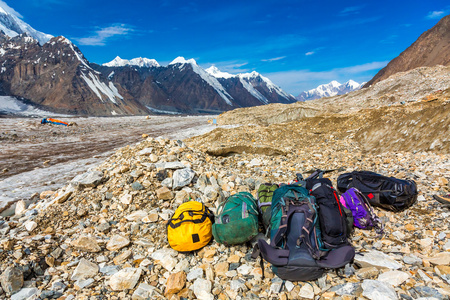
52, 74
331, 89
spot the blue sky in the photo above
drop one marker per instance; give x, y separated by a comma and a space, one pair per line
297, 44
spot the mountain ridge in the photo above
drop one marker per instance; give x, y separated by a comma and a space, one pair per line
330, 89
57, 77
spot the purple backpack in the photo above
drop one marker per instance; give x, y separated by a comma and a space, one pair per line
363, 214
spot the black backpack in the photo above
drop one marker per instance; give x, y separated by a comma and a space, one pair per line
389, 193
294, 250
335, 220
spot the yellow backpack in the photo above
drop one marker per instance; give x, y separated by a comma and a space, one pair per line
190, 228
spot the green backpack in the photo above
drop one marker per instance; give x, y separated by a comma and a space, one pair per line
264, 194
236, 220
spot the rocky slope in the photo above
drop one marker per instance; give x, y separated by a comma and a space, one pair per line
430, 49
104, 234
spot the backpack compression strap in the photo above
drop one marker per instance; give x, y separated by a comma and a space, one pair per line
377, 224
305, 232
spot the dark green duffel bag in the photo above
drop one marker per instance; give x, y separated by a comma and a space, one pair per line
236, 220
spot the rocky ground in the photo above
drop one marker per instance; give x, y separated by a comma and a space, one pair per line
35, 157
103, 236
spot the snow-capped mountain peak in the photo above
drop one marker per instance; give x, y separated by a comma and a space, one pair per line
214, 71
12, 25
353, 84
250, 81
182, 60
330, 89
138, 62
253, 74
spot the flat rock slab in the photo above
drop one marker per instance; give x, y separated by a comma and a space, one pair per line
86, 243
88, 179
125, 279
377, 259
85, 269
117, 242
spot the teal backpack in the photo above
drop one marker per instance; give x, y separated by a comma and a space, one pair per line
236, 220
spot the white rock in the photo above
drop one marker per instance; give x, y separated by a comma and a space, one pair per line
143, 291
125, 279
81, 284
25, 293
306, 291
237, 284
377, 290
377, 259
84, 270
255, 162
183, 265
145, 263
394, 278
289, 286
446, 246
162, 254
137, 215
426, 242
21, 206
424, 276
145, 151
153, 158
194, 274
275, 287
30, 225
174, 165
204, 295
165, 258
399, 235
126, 199
88, 179
244, 269
168, 182
442, 258
117, 242
201, 286
182, 177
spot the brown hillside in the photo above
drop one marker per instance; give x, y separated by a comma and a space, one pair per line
430, 49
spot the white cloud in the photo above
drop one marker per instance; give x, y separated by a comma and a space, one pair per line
274, 59
351, 10
9, 10
436, 14
101, 35
309, 53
